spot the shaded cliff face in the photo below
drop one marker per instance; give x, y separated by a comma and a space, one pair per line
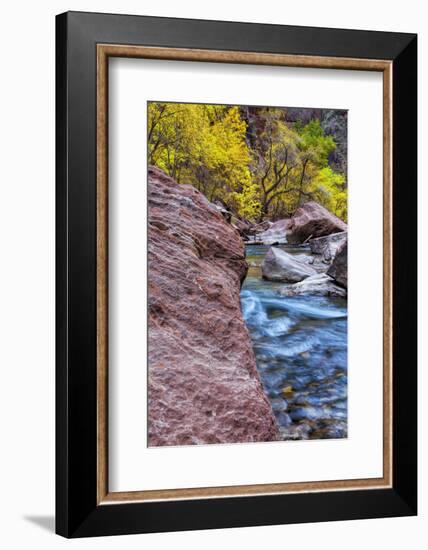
203, 383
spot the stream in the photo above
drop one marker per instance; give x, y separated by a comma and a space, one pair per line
300, 344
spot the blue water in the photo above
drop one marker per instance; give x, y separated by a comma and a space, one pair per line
300, 345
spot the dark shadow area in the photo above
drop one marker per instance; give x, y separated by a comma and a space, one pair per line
45, 522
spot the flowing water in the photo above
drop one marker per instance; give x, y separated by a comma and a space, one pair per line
300, 344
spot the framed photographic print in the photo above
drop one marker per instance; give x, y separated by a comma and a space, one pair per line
236, 274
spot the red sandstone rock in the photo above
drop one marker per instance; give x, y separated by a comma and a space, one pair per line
203, 383
242, 226
313, 220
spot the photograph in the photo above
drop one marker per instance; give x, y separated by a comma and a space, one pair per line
247, 246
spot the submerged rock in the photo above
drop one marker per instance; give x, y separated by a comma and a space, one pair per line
307, 413
284, 419
295, 432
335, 430
339, 268
313, 220
278, 265
320, 284
203, 383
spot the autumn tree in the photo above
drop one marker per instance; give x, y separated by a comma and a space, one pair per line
288, 162
203, 145
275, 157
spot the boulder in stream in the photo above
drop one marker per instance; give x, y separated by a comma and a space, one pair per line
320, 284
203, 384
339, 268
281, 266
328, 246
313, 220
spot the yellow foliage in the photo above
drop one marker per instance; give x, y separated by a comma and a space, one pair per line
203, 145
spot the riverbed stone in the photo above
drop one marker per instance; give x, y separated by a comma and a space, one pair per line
307, 413
295, 432
279, 265
283, 419
279, 405
320, 284
203, 384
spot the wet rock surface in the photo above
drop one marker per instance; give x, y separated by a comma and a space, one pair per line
203, 383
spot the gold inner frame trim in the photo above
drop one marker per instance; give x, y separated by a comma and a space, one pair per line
104, 51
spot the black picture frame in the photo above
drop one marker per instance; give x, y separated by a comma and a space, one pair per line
77, 511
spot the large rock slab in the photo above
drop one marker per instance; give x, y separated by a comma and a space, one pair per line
339, 268
315, 285
279, 265
313, 220
203, 383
